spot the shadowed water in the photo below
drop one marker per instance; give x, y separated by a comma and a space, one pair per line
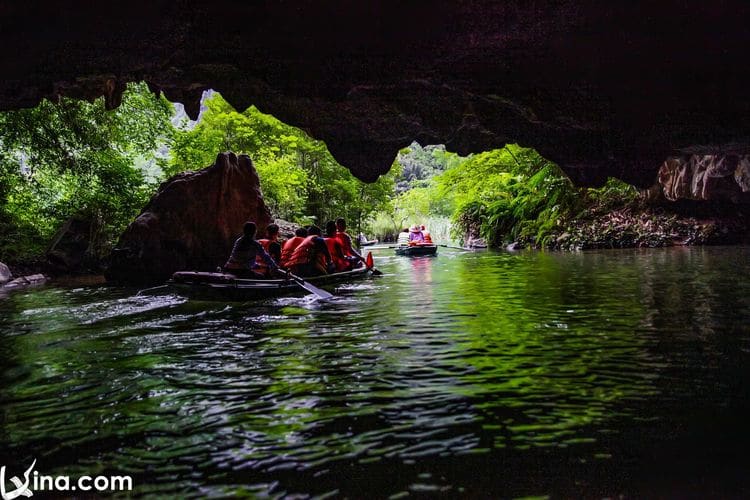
468, 374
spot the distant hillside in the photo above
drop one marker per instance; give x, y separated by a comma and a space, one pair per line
420, 164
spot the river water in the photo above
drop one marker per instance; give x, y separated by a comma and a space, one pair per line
467, 374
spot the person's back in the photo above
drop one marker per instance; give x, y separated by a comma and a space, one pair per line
346, 242
336, 248
291, 245
242, 260
403, 237
272, 246
311, 257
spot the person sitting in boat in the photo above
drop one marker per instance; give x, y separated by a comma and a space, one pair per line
336, 249
346, 242
311, 257
363, 241
273, 247
427, 237
403, 237
290, 245
243, 260
415, 236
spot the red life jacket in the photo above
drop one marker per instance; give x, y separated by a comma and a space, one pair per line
306, 253
336, 250
288, 249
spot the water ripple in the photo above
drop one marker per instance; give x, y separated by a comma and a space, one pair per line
464, 375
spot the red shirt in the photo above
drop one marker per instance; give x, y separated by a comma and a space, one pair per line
337, 254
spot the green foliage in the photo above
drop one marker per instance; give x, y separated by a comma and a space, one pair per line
503, 194
299, 178
74, 158
508, 193
614, 193
420, 164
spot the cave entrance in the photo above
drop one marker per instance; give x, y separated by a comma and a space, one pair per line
74, 164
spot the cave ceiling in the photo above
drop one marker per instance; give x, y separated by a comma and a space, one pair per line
601, 88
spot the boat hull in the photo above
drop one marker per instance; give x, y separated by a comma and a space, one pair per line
417, 250
225, 287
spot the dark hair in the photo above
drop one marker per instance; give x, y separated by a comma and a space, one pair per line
405, 230
272, 229
330, 228
340, 222
301, 232
313, 230
249, 228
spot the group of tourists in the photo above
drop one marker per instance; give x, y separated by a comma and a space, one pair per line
414, 235
307, 254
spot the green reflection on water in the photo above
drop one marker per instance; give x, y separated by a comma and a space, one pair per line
463, 355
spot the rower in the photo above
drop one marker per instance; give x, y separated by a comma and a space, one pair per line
291, 244
346, 241
336, 249
311, 257
415, 236
242, 261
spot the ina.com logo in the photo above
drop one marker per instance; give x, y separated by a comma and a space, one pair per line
33, 481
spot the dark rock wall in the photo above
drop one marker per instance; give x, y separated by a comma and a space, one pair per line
191, 222
602, 88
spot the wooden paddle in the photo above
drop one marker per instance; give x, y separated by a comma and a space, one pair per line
454, 247
308, 286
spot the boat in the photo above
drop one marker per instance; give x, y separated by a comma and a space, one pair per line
227, 287
364, 242
416, 250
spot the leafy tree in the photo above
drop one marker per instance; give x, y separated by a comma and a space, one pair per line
76, 158
420, 164
299, 178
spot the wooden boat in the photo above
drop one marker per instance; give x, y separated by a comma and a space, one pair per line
417, 250
227, 287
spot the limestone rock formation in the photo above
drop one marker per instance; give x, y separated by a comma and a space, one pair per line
601, 88
707, 177
191, 222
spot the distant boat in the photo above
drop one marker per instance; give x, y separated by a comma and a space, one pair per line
417, 250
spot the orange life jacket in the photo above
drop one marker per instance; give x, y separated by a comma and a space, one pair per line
260, 264
288, 249
306, 253
336, 249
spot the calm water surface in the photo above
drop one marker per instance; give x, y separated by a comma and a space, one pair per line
468, 374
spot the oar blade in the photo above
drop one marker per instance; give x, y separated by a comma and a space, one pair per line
317, 291
311, 288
